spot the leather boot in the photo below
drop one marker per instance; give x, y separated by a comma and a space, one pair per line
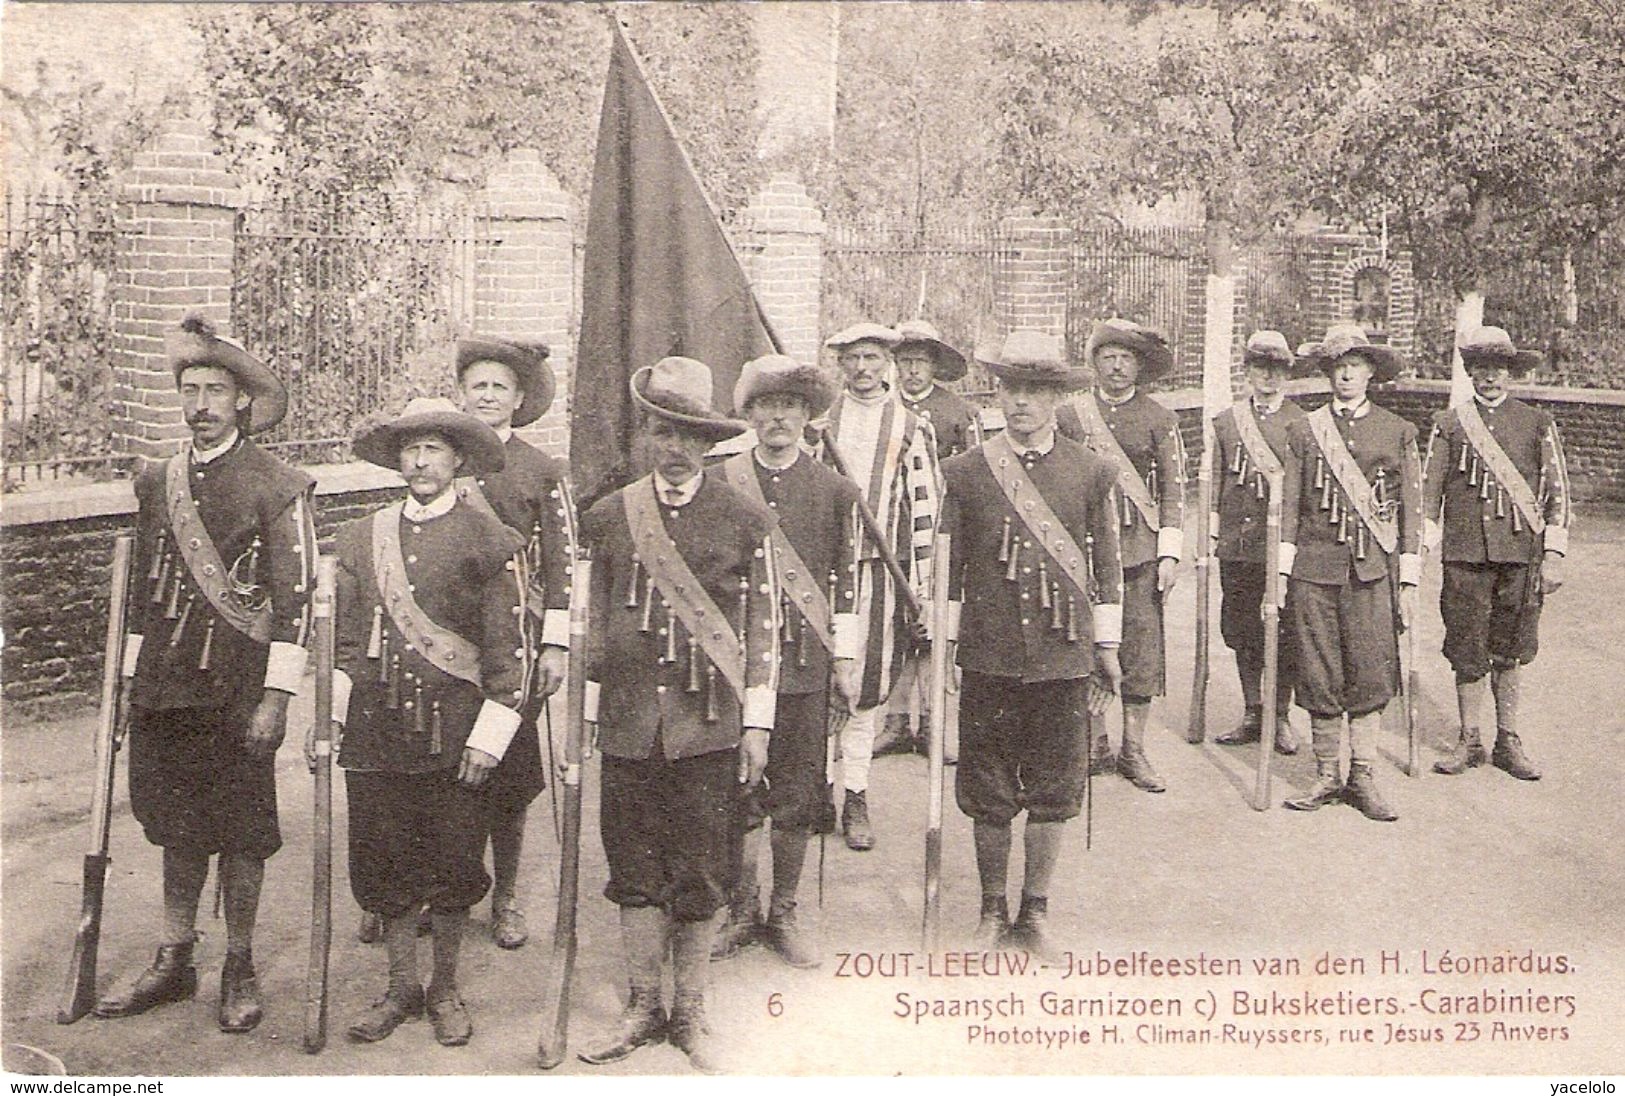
1286, 739
691, 1032
240, 1008
1248, 732
1101, 758
860, 836
994, 926
743, 925
1510, 758
172, 977
642, 1022
895, 736
1362, 793
386, 1014
1132, 763
1467, 754
1028, 932
508, 928
1327, 788
788, 940
1508, 754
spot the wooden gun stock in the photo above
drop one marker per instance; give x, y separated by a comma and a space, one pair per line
937, 732
1196, 729
322, 607
80, 994
1272, 644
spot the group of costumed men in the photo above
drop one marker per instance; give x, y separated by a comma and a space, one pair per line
752, 616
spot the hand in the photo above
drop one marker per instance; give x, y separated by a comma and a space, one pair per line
550, 670
476, 766
752, 756
268, 725
1104, 686
848, 674
1167, 574
1551, 573
1407, 604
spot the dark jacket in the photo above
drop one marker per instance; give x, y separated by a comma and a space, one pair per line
1242, 510
951, 416
1148, 434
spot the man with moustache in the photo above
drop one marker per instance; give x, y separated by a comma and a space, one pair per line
815, 554
225, 541
1140, 437
1250, 443
1351, 529
1036, 617
429, 679
888, 453
1496, 494
684, 632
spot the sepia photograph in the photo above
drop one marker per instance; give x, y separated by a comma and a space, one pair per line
922, 539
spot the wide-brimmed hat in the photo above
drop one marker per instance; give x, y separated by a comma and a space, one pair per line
528, 360
1350, 338
1493, 346
197, 343
862, 332
777, 373
679, 390
1035, 357
950, 362
1268, 348
1150, 347
478, 445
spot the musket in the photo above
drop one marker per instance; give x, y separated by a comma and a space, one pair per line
321, 872
871, 526
80, 994
1196, 728
1272, 642
1413, 695
936, 733
555, 1034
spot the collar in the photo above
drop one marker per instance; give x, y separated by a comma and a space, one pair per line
437, 507
209, 456
1361, 409
1492, 404
760, 463
1109, 402
1269, 408
1039, 448
504, 432
685, 492
930, 388
868, 401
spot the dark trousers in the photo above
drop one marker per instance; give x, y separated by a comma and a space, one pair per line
1491, 616
195, 788
1141, 654
1346, 645
792, 790
1241, 623
415, 839
1021, 747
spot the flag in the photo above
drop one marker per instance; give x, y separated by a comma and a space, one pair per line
660, 278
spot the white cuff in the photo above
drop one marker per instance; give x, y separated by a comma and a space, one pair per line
589, 703
1171, 542
1289, 555
1432, 535
954, 610
760, 703
848, 635
1108, 622
556, 628
1213, 524
341, 697
493, 729
1556, 539
1410, 569
285, 668
132, 648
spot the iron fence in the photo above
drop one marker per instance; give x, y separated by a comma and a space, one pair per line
1142, 274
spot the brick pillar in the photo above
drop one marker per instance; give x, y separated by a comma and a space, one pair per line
176, 229
784, 261
524, 286
1030, 288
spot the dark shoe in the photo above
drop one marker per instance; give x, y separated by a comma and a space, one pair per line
1028, 932
1286, 739
994, 926
642, 1022
691, 1033
1468, 753
371, 929
1362, 794
239, 994
741, 928
1327, 789
786, 938
894, 737
508, 928
860, 836
1249, 731
1509, 757
172, 977
1101, 758
385, 1015
1136, 769
452, 1027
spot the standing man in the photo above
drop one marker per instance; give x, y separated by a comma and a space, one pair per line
1351, 532
684, 633
1036, 609
1140, 438
1495, 468
888, 453
506, 385
429, 646
1250, 446
815, 554
216, 647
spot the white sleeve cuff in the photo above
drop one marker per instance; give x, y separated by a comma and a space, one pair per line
341, 697
1171, 542
1289, 555
589, 703
848, 635
493, 729
954, 610
1432, 535
1410, 569
1213, 525
760, 703
1556, 539
1108, 622
285, 667
556, 628
132, 646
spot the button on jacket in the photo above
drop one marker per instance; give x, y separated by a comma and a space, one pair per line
1241, 514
